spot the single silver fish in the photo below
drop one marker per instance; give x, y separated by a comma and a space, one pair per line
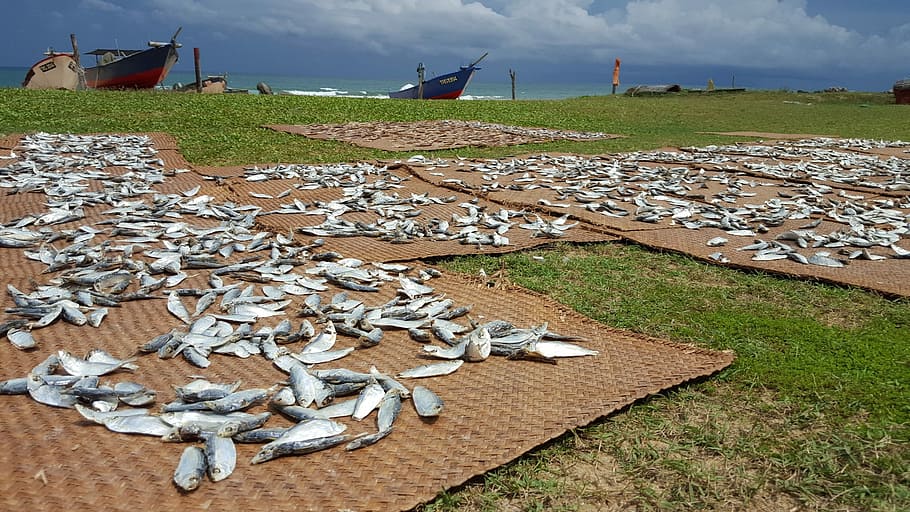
479, 345
201, 390
23, 340
389, 408
259, 435
716, 241
100, 417
143, 424
367, 400
426, 403
550, 349
367, 439
176, 308
322, 357
305, 437
277, 448
82, 367
231, 428
220, 456
431, 370
323, 341
339, 409
237, 401
16, 386
191, 469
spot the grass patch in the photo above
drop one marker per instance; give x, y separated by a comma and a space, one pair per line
813, 412
226, 129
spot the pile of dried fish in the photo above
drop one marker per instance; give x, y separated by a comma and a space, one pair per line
80, 383
399, 218
692, 195
137, 243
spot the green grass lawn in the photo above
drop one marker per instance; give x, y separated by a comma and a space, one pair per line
814, 412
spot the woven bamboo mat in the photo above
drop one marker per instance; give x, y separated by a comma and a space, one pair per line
495, 411
889, 276
839, 152
119, 472
727, 186
285, 192
416, 248
466, 178
431, 135
768, 135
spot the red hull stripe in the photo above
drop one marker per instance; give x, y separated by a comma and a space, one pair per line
448, 96
144, 80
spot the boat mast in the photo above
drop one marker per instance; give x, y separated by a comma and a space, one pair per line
420, 70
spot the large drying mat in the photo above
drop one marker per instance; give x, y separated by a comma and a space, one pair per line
433, 135
768, 135
466, 176
507, 182
889, 276
241, 191
377, 249
495, 411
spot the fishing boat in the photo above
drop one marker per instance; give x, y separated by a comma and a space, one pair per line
213, 84
132, 69
445, 87
55, 71
901, 91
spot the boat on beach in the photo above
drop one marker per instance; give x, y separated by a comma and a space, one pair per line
132, 69
444, 87
901, 90
213, 84
55, 71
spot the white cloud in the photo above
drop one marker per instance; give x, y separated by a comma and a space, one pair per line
100, 5
751, 33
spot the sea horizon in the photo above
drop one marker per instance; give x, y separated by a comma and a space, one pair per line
478, 89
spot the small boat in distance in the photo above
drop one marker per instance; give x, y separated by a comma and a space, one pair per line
901, 90
445, 87
55, 71
132, 69
213, 84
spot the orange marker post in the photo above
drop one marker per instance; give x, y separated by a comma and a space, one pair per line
615, 76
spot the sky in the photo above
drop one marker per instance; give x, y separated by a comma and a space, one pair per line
762, 44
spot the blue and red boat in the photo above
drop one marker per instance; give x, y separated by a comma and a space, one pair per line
445, 87
132, 69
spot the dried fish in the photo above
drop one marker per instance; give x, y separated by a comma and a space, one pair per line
427, 403
191, 468
220, 457
431, 370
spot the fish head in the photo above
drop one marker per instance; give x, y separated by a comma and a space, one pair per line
267, 453
191, 483
228, 429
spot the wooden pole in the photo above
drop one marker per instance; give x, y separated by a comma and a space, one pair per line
79, 72
420, 70
512, 75
198, 70
75, 48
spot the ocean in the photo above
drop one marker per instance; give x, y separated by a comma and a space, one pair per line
345, 87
